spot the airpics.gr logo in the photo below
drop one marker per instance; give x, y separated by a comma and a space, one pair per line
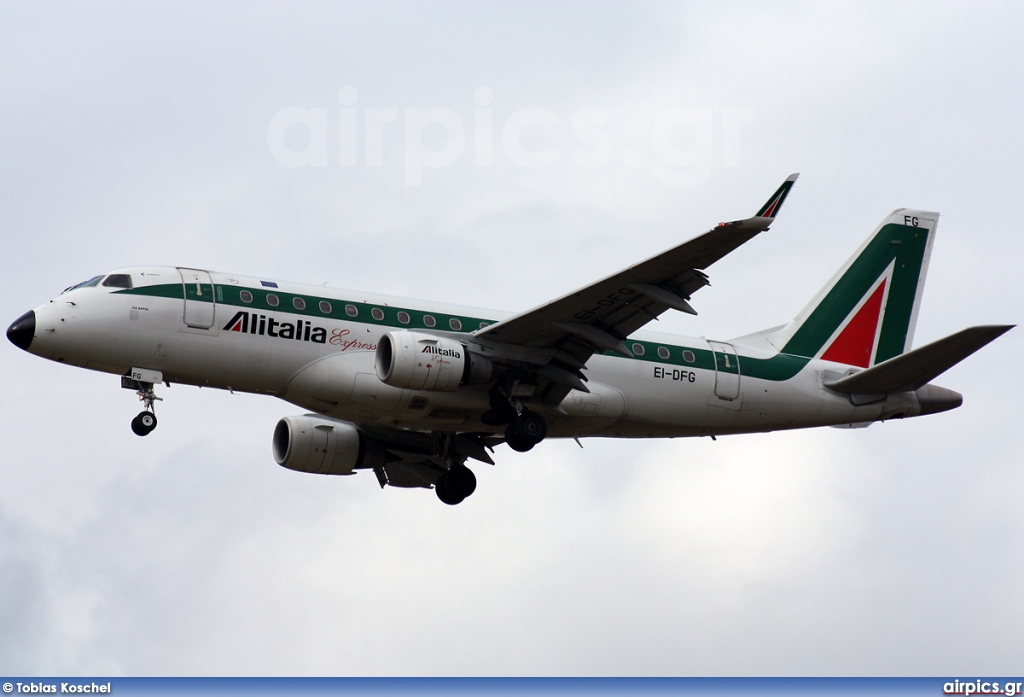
261, 325
979, 687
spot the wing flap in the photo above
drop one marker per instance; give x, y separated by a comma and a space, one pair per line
915, 369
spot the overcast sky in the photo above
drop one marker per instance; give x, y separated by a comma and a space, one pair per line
502, 155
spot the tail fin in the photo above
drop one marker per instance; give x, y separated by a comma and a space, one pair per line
866, 314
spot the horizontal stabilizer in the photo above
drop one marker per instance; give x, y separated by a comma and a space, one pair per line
912, 370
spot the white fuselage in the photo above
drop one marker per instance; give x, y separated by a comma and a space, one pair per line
309, 350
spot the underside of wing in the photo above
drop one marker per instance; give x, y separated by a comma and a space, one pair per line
412, 459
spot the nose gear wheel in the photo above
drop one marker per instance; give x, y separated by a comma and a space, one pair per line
144, 423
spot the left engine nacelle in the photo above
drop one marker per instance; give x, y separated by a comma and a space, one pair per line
419, 361
323, 446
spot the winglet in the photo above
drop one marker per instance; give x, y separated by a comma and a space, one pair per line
766, 215
771, 208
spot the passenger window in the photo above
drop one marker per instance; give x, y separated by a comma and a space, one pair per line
638, 349
688, 356
325, 307
663, 353
245, 296
429, 320
351, 311
377, 313
118, 280
272, 300
403, 317
484, 324
298, 303
455, 324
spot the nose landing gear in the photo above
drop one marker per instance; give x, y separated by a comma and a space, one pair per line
144, 423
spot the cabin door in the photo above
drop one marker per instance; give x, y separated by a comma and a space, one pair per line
727, 371
199, 300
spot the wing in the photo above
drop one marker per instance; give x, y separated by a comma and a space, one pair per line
564, 333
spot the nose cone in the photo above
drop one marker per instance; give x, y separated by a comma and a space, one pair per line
23, 330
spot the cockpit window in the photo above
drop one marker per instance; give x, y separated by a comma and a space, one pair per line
84, 284
118, 280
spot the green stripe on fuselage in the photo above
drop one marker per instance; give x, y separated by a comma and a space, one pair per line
166, 290
776, 368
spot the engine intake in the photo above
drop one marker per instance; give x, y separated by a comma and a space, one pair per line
324, 446
419, 361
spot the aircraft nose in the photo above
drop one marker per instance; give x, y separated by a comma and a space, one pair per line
23, 330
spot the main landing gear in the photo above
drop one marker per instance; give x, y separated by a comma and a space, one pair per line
523, 428
525, 431
458, 481
455, 485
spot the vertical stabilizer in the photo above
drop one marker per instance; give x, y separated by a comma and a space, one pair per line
867, 312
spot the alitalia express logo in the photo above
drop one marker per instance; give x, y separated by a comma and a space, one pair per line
300, 330
261, 325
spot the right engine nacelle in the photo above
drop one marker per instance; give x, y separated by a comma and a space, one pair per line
323, 446
418, 361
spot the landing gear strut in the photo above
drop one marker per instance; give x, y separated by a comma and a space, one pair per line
144, 423
523, 428
502, 410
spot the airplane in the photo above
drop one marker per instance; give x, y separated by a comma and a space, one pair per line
412, 390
